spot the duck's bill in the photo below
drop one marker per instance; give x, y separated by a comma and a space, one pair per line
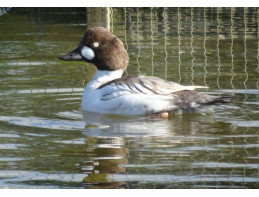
72, 56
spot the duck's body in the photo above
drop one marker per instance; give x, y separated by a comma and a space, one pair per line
110, 93
118, 97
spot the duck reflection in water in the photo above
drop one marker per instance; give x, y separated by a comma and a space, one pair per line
110, 140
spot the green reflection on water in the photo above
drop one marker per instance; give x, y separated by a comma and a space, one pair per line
44, 138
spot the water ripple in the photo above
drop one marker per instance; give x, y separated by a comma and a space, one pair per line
43, 123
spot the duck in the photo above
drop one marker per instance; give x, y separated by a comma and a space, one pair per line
109, 92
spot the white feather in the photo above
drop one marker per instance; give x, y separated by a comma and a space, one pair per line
88, 53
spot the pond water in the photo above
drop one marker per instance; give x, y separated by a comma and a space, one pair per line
46, 141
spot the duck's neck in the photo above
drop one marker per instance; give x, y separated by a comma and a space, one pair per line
103, 76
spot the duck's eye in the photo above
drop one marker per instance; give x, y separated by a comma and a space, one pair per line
96, 44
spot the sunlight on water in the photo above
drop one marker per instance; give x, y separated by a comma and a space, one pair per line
43, 123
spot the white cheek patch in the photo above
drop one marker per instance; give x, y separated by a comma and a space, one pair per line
88, 53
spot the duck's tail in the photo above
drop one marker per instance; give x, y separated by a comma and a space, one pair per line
221, 100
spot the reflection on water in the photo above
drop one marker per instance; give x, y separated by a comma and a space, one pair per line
108, 126
46, 141
183, 149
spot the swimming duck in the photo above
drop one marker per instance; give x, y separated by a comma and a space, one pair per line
110, 93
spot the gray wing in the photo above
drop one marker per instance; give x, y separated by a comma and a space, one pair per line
184, 97
149, 85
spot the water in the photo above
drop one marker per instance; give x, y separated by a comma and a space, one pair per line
46, 141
